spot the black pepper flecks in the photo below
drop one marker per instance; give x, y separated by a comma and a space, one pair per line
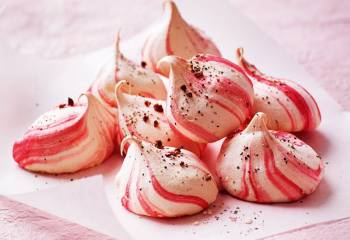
158, 108
159, 144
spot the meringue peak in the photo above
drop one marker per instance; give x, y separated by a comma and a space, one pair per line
258, 123
163, 182
204, 92
174, 36
289, 107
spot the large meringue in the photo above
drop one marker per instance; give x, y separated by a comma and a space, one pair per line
262, 165
174, 36
69, 138
144, 118
208, 96
163, 182
289, 106
141, 80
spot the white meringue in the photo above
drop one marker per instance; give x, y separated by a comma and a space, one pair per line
174, 36
167, 182
144, 118
262, 165
208, 97
68, 138
289, 106
141, 81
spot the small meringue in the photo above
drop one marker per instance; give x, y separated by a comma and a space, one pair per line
174, 36
141, 81
289, 106
144, 118
268, 166
69, 138
208, 96
163, 182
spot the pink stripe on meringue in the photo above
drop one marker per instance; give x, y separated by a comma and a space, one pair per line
177, 197
280, 181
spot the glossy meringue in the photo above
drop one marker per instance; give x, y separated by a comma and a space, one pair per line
174, 36
141, 80
69, 138
268, 166
144, 118
208, 97
289, 106
163, 182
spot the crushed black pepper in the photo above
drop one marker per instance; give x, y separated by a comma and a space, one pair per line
158, 108
155, 123
159, 144
143, 64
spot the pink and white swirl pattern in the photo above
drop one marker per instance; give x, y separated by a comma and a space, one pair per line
289, 106
208, 97
68, 138
174, 36
165, 182
141, 80
268, 166
144, 118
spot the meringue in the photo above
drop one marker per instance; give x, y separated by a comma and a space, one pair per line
174, 36
69, 138
289, 106
163, 182
208, 97
268, 166
141, 81
144, 118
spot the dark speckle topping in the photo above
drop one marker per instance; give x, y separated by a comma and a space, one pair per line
183, 88
70, 102
147, 103
145, 118
158, 108
143, 64
155, 123
159, 144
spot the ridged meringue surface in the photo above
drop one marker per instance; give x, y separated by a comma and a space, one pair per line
289, 106
68, 138
141, 80
208, 96
163, 182
268, 166
174, 36
144, 118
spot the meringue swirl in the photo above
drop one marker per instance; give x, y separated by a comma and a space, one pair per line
268, 166
204, 92
166, 182
289, 106
174, 36
141, 80
144, 118
69, 138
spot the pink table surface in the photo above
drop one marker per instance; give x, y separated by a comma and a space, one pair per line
20, 221
316, 35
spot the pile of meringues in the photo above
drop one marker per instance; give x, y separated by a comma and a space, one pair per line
163, 112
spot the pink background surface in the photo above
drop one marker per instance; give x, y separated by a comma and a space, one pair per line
20, 221
316, 35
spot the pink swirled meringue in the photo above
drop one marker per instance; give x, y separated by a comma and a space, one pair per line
144, 118
141, 81
174, 36
163, 182
69, 138
209, 97
268, 166
289, 106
